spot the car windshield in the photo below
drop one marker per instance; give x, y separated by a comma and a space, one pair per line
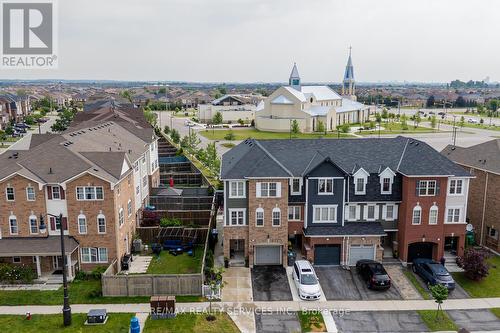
309, 279
378, 269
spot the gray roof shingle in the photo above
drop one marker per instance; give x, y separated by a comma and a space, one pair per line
349, 229
485, 156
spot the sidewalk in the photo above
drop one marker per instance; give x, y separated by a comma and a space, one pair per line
384, 305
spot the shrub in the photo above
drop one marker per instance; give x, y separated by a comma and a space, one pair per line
344, 128
166, 129
95, 274
168, 222
474, 264
176, 137
229, 136
16, 273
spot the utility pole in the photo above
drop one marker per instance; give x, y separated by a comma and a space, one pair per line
290, 129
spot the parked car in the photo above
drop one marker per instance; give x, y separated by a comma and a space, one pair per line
20, 130
441, 113
472, 121
43, 120
432, 113
306, 280
374, 274
433, 273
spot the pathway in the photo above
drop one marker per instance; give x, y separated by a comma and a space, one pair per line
401, 282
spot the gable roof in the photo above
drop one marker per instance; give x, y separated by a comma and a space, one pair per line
485, 156
404, 155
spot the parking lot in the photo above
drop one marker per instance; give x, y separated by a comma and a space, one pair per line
277, 322
390, 321
340, 284
270, 283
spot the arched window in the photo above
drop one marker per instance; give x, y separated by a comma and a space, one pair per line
433, 215
33, 224
259, 217
276, 217
101, 224
417, 215
82, 224
13, 228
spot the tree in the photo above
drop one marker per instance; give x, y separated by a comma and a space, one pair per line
460, 102
462, 121
344, 128
229, 136
190, 142
215, 283
385, 114
417, 120
241, 121
493, 105
473, 262
378, 117
440, 294
404, 124
175, 135
167, 129
295, 127
433, 122
217, 118
320, 127
430, 101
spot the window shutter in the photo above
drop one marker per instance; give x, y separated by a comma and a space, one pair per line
257, 190
346, 212
63, 195
358, 212
384, 212
377, 216
278, 190
65, 223
395, 211
49, 192
52, 223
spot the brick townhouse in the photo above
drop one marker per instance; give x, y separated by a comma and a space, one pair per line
483, 161
97, 175
338, 201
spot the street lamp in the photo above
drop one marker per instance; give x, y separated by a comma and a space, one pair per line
66, 307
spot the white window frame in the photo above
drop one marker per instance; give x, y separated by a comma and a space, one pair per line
259, 211
16, 226
294, 211
375, 212
237, 211
454, 187
427, 182
237, 185
262, 192
415, 209
385, 215
7, 193
129, 207
121, 217
93, 191
329, 218
30, 219
81, 218
101, 217
433, 220
299, 192
326, 180
389, 191
18, 261
276, 215
32, 190
454, 208
352, 217
93, 252
356, 191
58, 192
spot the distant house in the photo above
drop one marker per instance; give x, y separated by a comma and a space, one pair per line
232, 108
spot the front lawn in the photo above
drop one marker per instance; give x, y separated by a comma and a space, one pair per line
496, 312
396, 128
80, 292
191, 322
167, 263
441, 323
242, 134
413, 279
117, 323
487, 287
311, 321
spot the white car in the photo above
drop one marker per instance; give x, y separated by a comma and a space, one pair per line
306, 280
472, 121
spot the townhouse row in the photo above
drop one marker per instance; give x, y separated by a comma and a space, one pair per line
338, 201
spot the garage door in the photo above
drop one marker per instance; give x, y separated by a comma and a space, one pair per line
327, 254
268, 255
360, 252
420, 250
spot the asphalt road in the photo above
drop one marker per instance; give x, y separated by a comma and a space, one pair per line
24, 142
395, 322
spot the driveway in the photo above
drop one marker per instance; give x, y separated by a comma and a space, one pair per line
457, 293
390, 321
475, 320
277, 322
341, 284
270, 283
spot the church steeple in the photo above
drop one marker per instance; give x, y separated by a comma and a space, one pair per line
294, 80
348, 84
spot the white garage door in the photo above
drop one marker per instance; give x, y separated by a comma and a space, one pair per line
361, 252
268, 255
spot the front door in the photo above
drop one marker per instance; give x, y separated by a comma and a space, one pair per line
57, 262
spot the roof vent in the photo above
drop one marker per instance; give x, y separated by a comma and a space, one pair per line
109, 148
50, 171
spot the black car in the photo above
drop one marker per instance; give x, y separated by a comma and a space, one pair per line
374, 274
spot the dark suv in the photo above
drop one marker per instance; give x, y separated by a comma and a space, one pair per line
433, 273
374, 274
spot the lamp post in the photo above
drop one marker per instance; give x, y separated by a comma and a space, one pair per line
66, 307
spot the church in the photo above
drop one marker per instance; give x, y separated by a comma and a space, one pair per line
313, 107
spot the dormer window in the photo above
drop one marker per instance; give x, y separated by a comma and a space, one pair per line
296, 185
386, 181
360, 180
360, 186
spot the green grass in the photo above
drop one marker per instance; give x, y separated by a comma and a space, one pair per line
396, 128
80, 292
413, 279
311, 321
117, 323
496, 312
485, 125
228, 145
167, 263
441, 323
191, 322
242, 134
487, 287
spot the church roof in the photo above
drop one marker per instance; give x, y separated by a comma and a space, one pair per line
295, 72
349, 69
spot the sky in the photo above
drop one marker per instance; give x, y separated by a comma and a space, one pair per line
258, 40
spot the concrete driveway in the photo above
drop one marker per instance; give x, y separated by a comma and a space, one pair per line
390, 321
270, 283
475, 320
341, 284
277, 322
